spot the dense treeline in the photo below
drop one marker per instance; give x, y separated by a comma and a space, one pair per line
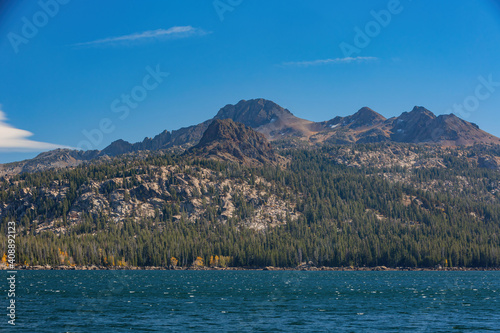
349, 217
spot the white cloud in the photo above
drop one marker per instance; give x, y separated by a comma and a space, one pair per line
13, 139
159, 34
346, 60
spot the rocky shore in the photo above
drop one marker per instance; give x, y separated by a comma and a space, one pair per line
268, 268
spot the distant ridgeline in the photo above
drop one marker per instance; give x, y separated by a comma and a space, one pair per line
282, 128
256, 187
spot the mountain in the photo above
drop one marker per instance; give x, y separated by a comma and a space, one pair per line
361, 127
231, 141
422, 126
277, 124
54, 159
254, 113
419, 126
260, 114
182, 138
267, 118
364, 118
118, 147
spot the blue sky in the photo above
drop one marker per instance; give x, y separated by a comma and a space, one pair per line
72, 74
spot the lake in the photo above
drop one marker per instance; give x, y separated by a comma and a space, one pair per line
245, 301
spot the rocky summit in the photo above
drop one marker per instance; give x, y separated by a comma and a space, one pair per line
253, 113
231, 141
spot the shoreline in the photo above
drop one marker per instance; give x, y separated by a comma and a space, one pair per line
269, 268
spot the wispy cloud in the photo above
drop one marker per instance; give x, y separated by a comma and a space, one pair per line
13, 139
151, 35
319, 62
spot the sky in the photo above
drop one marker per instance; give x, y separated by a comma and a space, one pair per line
83, 74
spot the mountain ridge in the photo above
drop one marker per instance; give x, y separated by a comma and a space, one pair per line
418, 126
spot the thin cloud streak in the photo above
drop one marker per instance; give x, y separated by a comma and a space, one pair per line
159, 34
320, 62
16, 140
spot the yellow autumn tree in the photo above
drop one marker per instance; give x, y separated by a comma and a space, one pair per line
198, 262
174, 261
63, 257
4, 258
214, 261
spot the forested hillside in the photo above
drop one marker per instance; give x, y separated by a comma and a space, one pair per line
357, 205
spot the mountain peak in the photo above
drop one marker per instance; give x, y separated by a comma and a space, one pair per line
117, 147
366, 116
223, 129
365, 110
253, 113
420, 110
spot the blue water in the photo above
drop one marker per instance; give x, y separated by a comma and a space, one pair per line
265, 301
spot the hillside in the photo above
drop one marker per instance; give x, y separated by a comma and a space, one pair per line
367, 204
